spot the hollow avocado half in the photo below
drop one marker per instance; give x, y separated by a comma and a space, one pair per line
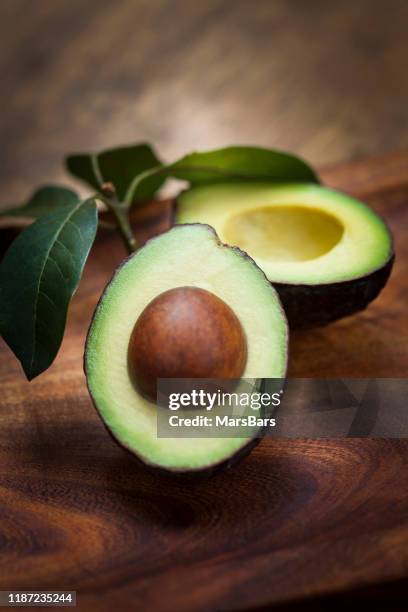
327, 254
187, 256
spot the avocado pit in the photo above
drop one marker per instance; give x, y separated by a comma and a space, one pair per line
185, 332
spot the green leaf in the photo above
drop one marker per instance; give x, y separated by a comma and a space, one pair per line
118, 166
231, 164
242, 163
44, 200
38, 276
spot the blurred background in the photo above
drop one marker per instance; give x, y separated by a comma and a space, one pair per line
326, 80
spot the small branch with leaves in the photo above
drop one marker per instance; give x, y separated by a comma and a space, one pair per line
42, 268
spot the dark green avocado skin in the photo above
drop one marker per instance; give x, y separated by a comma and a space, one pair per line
209, 471
314, 305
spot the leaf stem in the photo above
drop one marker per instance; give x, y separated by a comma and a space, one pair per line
121, 214
122, 220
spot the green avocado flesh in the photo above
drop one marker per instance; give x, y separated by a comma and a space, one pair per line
297, 233
187, 255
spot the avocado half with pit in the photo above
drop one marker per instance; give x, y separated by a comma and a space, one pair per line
183, 306
327, 254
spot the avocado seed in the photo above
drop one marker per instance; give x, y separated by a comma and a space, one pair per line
186, 332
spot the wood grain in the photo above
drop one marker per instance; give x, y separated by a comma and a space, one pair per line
295, 520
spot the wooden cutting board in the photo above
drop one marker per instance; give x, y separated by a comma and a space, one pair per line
296, 521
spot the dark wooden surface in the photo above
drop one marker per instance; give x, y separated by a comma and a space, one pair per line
327, 80
295, 521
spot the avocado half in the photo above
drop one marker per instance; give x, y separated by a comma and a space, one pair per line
187, 256
327, 254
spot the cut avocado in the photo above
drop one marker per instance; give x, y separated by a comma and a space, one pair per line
327, 254
183, 305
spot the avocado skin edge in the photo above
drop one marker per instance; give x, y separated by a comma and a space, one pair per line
192, 474
314, 305
199, 473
